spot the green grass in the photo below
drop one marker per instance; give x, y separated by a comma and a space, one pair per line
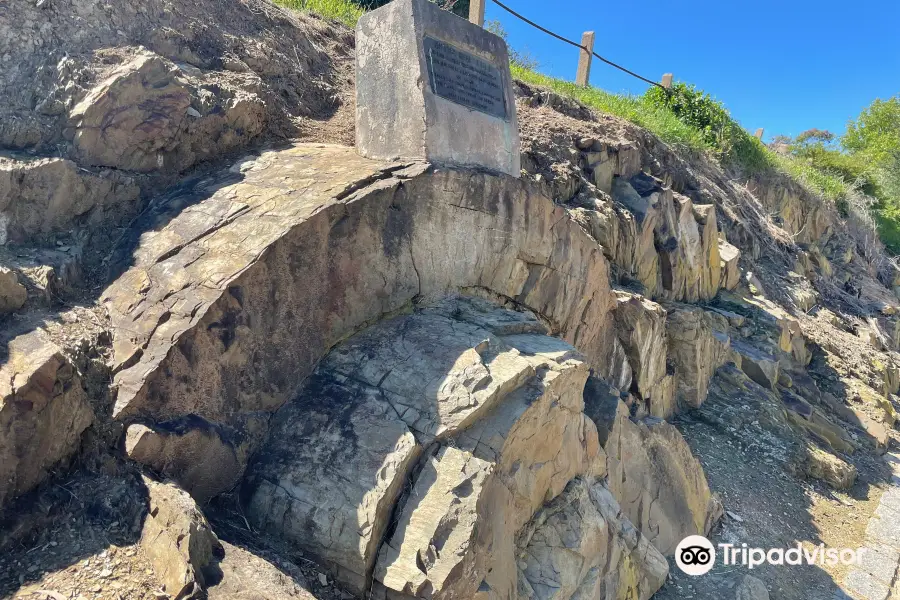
344, 11
749, 154
888, 219
828, 185
632, 108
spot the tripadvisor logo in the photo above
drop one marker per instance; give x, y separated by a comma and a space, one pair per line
696, 555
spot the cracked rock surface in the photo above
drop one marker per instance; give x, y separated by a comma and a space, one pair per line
350, 453
581, 546
195, 331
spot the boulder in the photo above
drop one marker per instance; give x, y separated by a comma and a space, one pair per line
177, 539
641, 327
43, 412
710, 265
730, 269
48, 195
12, 293
581, 546
822, 465
335, 463
630, 233
759, 366
433, 550
148, 116
734, 319
602, 167
791, 339
530, 446
539, 437
695, 349
203, 458
48, 273
657, 481
130, 119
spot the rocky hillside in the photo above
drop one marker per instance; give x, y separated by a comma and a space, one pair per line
240, 361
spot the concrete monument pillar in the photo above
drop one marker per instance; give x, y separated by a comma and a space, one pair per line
430, 85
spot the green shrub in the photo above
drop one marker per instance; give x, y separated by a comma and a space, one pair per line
636, 109
875, 134
873, 139
721, 133
888, 219
698, 110
848, 167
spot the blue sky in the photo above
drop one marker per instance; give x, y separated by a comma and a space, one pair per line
785, 65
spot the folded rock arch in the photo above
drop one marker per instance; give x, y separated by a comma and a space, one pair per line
239, 296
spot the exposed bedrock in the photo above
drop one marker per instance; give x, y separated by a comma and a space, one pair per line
177, 539
150, 115
496, 416
659, 484
466, 468
661, 238
230, 304
49, 195
805, 216
581, 545
43, 412
697, 349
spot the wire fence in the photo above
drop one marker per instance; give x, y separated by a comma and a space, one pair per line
576, 44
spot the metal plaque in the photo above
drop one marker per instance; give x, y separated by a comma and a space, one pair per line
464, 78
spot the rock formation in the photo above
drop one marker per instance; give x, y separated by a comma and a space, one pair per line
314, 375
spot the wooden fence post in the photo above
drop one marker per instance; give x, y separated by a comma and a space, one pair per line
583, 75
476, 12
759, 133
667, 80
